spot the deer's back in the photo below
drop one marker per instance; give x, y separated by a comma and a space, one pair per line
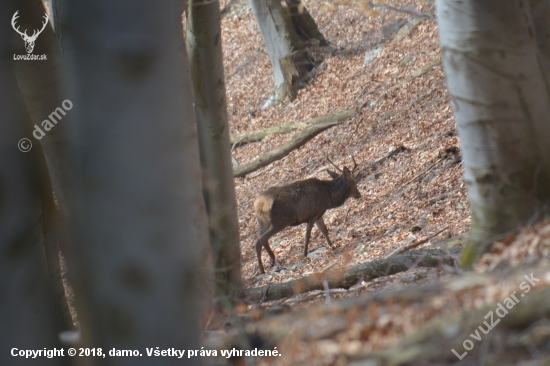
296, 203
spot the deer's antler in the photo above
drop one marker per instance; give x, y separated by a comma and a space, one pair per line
355, 165
334, 165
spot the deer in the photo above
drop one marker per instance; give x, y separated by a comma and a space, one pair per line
29, 40
301, 202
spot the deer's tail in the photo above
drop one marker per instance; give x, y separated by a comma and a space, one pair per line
262, 208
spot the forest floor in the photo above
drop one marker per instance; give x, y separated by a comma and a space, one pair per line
408, 197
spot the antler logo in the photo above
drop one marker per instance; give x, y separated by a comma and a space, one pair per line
29, 40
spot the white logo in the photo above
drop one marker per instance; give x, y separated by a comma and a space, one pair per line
29, 40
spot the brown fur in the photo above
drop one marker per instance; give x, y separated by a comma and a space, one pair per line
300, 202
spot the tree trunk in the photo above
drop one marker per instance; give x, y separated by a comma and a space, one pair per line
286, 27
27, 316
540, 11
205, 57
137, 202
501, 107
40, 84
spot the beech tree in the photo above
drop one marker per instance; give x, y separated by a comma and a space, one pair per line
205, 57
40, 84
495, 64
286, 27
27, 319
138, 209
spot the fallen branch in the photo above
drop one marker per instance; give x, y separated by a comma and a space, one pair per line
346, 278
251, 136
412, 245
407, 10
280, 152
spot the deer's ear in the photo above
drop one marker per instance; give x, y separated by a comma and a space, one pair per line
333, 174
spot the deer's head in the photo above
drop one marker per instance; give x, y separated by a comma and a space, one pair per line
29, 40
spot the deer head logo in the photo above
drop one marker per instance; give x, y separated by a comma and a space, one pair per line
29, 40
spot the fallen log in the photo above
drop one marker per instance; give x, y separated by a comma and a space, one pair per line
257, 135
346, 278
280, 152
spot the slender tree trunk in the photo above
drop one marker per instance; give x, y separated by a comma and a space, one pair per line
204, 47
139, 211
501, 107
284, 26
26, 316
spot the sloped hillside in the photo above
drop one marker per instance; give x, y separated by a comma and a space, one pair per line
385, 64
413, 194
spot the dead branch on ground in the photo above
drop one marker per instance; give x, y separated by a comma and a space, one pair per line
412, 245
251, 136
280, 152
406, 10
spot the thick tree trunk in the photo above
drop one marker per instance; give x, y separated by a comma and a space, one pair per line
27, 316
540, 12
40, 84
284, 27
204, 47
500, 100
138, 206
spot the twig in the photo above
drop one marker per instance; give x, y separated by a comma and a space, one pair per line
266, 290
404, 248
434, 200
417, 73
361, 174
423, 172
345, 217
407, 10
327, 295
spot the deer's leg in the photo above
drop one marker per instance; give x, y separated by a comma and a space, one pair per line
263, 241
321, 225
261, 227
308, 234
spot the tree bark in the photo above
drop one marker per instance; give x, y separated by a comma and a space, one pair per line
540, 13
500, 101
346, 278
280, 152
137, 200
27, 316
205, 56
284, 27
40, 84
